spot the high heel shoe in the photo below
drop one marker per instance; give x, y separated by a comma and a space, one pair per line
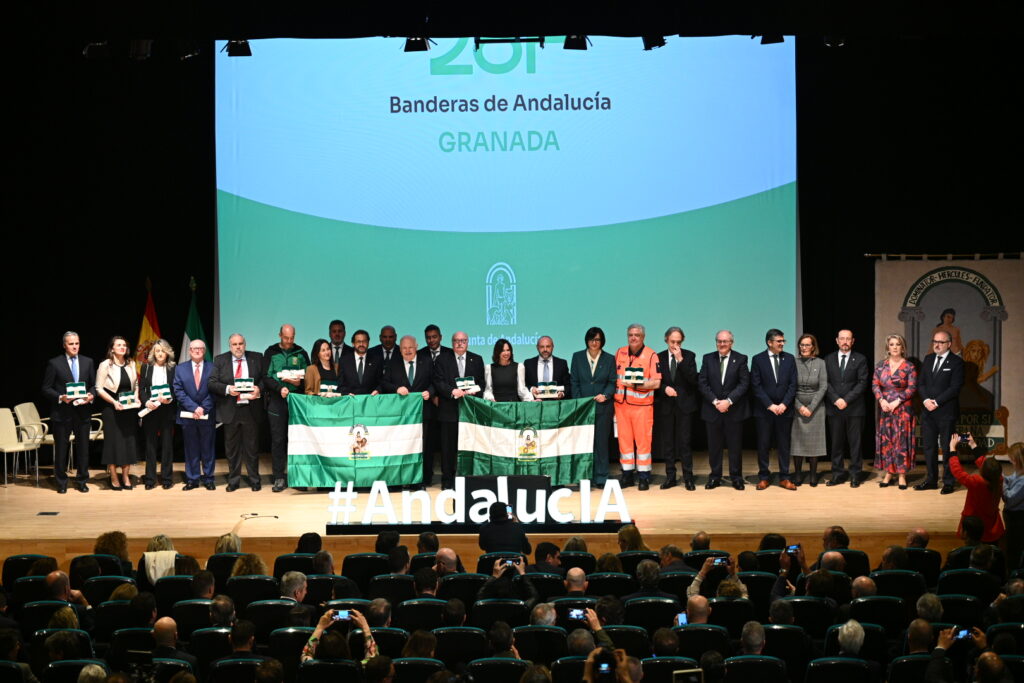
903, 487
883, 484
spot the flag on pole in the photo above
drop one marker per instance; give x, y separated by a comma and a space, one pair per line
552, 438
150, 331
194, 326
361, 439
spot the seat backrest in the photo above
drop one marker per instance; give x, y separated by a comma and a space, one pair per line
926, 561
130, 645
962, 609
540, 644
416, 668
633, 639
759, 591
109, 616
659, 669
28, 589
328, 671
208, 644
293, 562
421, 560
908, 669
459, 644
631, 558
1014, 629
875, 646
837, 670
461, 586
98, 588
16, 566
498, 669
548, 586
568, 669
611, 583
285, 645
900, 583
889, 612
246, 589
38, 657
574, 558
790, 644
268, 615
981, 584
233, 670
190, 615
394, 588
676, 583
390, 641
651, 613
485, 563
486, 612
696, 639
759, 668
67, 670
110, 565
732, 613
220, 565
170, 590
36, 615
419, 614
563, 607
361, 567
695, 558
768, 561
320, 588
815, 615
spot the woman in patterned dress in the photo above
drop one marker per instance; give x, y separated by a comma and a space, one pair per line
894, 384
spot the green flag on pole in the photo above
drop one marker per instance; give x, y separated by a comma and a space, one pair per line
194, 327
553, 438
361, 439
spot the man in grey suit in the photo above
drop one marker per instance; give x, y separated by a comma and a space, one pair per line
848, 380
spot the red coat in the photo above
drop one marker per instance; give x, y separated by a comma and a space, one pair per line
979, 501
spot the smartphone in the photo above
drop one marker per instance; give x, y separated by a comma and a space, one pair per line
681, 619
604, 668
508, 511
792, 549
509, 562
578, 614
962, 634
342, 615
721, 561
965, 437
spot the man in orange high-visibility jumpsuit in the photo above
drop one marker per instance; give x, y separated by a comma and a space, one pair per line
634, 407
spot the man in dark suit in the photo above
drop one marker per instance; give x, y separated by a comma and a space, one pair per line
165, 635
448, 367
547, 560
675, 402
545, 367
285, 355
336, 333
360, 373
938, 385
431, 426
240, 413
192, 391
723, 382
387, 349
293, 587
412, 373
69, 415
243, 641
848, 383
773, 380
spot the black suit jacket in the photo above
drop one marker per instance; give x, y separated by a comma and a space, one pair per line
559, 373
737, 381
446, 371
396, 375
168, 652
942, 386
223, 375
769, 391
685, 385
55, 378
851, 386
378, 353
146, 383
350, 383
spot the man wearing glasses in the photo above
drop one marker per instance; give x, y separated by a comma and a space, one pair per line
448, 368
939, 383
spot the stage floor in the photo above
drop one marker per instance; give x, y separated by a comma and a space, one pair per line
40, 520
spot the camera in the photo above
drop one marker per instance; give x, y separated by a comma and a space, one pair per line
577, 613
342, 615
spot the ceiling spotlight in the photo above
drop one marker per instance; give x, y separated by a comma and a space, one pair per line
576, 42
98, 50
835, 41
771, 38
651, 42
237, 48
187, 49
418, 44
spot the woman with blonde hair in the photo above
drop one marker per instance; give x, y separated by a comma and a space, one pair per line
116, 382
63, 617
894, 384
228, 543
630, 538
156, 562
126, 591
158, 423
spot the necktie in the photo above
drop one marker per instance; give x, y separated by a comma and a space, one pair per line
724, 365
412, 372
74, 368
359, 371
462, 366
672, 367
198, 374
842, 365
547, 370
337, 354
938, 362
238, 368
387, 356
775, 363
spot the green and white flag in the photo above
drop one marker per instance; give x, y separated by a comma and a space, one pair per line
553, 438
360, 439
194, 328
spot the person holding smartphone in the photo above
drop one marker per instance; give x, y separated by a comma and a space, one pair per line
502, 583
329, 619
503, 533
716, 564
984, 490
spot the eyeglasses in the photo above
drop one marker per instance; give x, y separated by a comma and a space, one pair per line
460, 341
940, 341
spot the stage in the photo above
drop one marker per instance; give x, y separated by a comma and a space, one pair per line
38, 520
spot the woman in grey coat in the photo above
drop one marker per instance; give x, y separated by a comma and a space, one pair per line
808, 439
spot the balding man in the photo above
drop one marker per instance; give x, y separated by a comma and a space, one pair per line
409, 373
638, 376
386, 350
697, 609
198, 430
576, 583
239, 408
59, 586
446, 562
917, 538
546, 367
283, 363
448, 368
938, 385
723, 381
165, 635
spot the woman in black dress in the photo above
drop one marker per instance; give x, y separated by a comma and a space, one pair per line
158, 423
505, 379
114, 377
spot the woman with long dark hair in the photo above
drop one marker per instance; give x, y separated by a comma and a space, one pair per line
984, 490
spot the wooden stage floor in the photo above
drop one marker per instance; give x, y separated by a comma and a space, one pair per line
40, 520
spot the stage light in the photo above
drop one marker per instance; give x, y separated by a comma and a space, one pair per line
478, 41
771, 38
237, 48
417, 44
834, 41
651, 42
577, 42
187, 49
96, 50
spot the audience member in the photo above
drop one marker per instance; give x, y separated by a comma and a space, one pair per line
378, 669
700, 541
501, 640
579, 642
222, 611
609, 562
309, 543
423, 643
576, 583
427, 542
228, 543
697, 609
203, 584
917, 538
379, 613
426, 582
250, 564
647, 575
386, 540
165, 635
543, 614
665, 643
398, 560
630, 538
752, 638
115, 543
546, 560
454, 613
323, 563
575, 544
671, 558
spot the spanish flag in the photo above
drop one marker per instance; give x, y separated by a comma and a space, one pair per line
150, 331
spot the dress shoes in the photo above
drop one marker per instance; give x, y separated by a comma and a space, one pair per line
790, 486
190, 485
926, 485
762, 485
689, 485
713, 484
854, 483
210, 486
167, 485
738, 484
902, 487
62, 489
836, 481
278, 486
83, 487
883, 484
128, 487
643, 484
232, 487
947, 489
667, 484
150, 486
112, 487
257, 486
814, 480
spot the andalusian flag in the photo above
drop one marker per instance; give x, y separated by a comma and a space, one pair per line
150, 331
553, 438
194, 327
361, 439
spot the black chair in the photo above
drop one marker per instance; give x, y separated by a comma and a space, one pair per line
485, 563
36, 615
415, 669
220, 565
1015, 665
170, 590
16, 566
29, 589
611, 583
460, 644
790, 644
130, 646
695, 558
110, 565
293, 562
676, 583
421, 560
1014, 628
268, 615
394, 588
512, 612
731, 613
568, 669
390, 641
98, 588
696, 639
563, 606
164, 669
659, 669
419, 614
889, 612
234, 670
10, 672
246, 589
837, 670
109, 616
875, 647
285, 645
759, 591
900, 583
768, 561
841, 587
548, 585
633, 639
960, 558
981, 584
461, 586
755, 669
328, 671
631, 558
927, 562
38, 657
498, 669
815, 615
320, 588
857, 562
908, 668
965, 610
209, 644
573, 558
540, 644
191, 615
358, 604
66, 671
651, 613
